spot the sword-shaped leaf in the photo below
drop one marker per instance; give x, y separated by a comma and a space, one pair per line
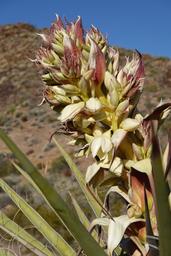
14, 230
54, 200
79, 177
5, 252
162, 201
55, 239
83, 218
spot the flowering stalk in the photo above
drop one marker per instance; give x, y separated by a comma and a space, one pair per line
96, 100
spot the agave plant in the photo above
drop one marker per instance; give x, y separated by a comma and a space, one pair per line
95, 96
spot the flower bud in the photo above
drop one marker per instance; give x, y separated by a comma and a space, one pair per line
93, 104
71, 111
122, 107
97, 63
129, 124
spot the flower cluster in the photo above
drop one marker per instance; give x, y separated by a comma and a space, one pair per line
96, 96
83, 77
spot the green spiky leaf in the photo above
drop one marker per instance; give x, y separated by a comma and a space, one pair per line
161, 195
39, 223
14, 230
80, 179
55, 201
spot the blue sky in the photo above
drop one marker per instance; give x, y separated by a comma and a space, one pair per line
141, 24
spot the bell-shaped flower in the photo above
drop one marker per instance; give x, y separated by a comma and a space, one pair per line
102, 142
117, 228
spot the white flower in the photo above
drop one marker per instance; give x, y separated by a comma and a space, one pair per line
93, 104
116, 230
102, 142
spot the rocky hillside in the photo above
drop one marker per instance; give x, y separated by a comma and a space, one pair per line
31, 126
21, 90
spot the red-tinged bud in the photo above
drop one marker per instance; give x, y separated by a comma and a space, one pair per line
96, 36
134, 74
69, 26
78, 29
97, 63
71, 55
75, 30
114, 56
45, 57
57, 25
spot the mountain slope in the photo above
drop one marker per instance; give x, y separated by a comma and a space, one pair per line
21, 90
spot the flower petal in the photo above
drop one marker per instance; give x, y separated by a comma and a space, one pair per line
143, 166
100, 222
117, 137
106, 144
95, 145
116, 230
129, 124
117, 166
117, 190
71, 111
91, 172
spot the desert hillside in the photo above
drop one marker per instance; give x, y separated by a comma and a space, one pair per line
21, 90
31, 126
